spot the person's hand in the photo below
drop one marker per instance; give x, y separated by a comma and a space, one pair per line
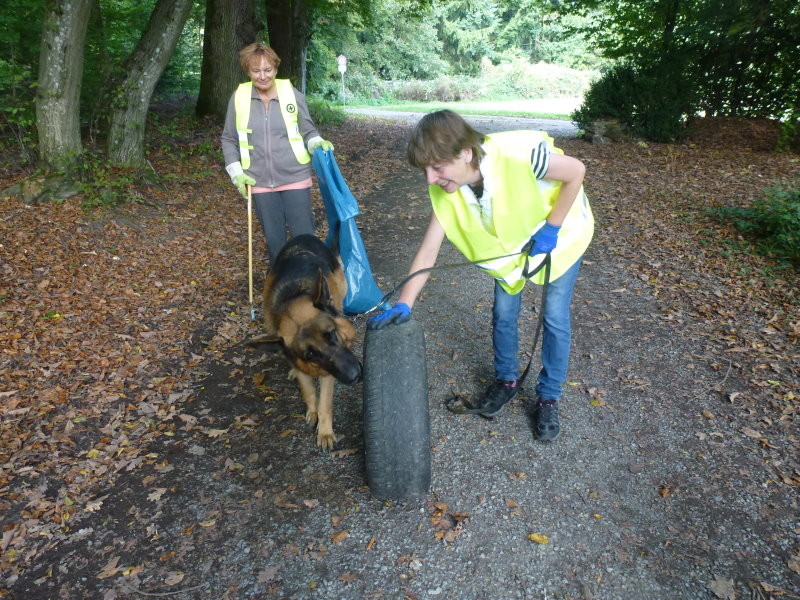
242, 180
545, 240
399, 313
320, 143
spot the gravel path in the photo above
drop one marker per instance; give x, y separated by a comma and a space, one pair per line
485, 124
651, 493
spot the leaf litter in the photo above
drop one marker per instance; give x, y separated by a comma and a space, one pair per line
109, 319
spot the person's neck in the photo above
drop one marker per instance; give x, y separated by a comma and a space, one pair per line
477, 186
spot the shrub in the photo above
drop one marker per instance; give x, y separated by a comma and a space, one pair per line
789, 138
322, 113
639, 99
772, 222
442, 89
521, 79
105, 185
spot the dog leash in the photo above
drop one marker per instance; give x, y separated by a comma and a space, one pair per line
525, 249
468, 409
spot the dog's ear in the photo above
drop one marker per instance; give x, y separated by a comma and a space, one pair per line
322, 297
346, 331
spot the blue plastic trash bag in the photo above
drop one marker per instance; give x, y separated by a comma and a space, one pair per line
341, 209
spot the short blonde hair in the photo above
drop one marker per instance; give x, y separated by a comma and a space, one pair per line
439, 137
257, 51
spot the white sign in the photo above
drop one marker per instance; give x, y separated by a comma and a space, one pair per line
342, 60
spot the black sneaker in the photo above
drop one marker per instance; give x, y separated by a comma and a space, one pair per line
545, 419
497, 395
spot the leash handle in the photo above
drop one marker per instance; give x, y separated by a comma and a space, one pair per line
449, 403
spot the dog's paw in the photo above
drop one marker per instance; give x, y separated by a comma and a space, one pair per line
311, 417
326, 440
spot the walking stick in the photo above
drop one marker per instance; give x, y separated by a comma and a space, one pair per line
250, 249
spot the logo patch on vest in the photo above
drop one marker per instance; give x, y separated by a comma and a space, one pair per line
291, 108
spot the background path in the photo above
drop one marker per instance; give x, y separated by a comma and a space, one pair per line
483, 123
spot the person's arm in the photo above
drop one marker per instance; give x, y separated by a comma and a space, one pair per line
308, 130
424, 259
570, 172
231, 153
230, 137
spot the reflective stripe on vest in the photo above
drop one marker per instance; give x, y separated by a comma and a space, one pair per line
288, 104
241, 106
520, 204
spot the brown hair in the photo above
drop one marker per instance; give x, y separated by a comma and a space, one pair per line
439, 137
257, 51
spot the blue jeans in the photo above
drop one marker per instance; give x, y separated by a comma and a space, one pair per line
556, 334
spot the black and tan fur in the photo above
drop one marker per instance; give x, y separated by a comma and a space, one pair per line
303, 296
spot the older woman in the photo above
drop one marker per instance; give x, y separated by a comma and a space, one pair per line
267, 144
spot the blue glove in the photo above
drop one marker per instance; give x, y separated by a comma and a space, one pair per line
399, 313
545, 240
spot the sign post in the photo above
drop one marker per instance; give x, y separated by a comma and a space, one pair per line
342, 62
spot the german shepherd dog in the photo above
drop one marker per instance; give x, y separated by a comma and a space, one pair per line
303, 296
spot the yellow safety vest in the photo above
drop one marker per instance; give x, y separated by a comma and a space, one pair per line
520, 204
288, 103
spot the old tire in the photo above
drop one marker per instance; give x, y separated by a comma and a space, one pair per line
396, 421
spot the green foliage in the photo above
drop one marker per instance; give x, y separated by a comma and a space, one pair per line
467, 29
442, 89
732, 57
20, 32
534, 31
517, 79
386, 48
520, 79
772, 222
114, 29
181, 77
441, 47
17, 111
639, 99
323, 113
103, 185
789, 138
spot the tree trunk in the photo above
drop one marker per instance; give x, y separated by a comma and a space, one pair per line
289, 27
58, 94
142, 69
230, 26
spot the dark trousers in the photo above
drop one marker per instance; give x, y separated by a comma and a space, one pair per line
283, 215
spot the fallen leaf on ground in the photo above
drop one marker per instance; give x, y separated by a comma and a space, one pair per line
538, 538
722, 588
340, 536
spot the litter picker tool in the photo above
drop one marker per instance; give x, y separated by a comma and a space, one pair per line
250, 250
